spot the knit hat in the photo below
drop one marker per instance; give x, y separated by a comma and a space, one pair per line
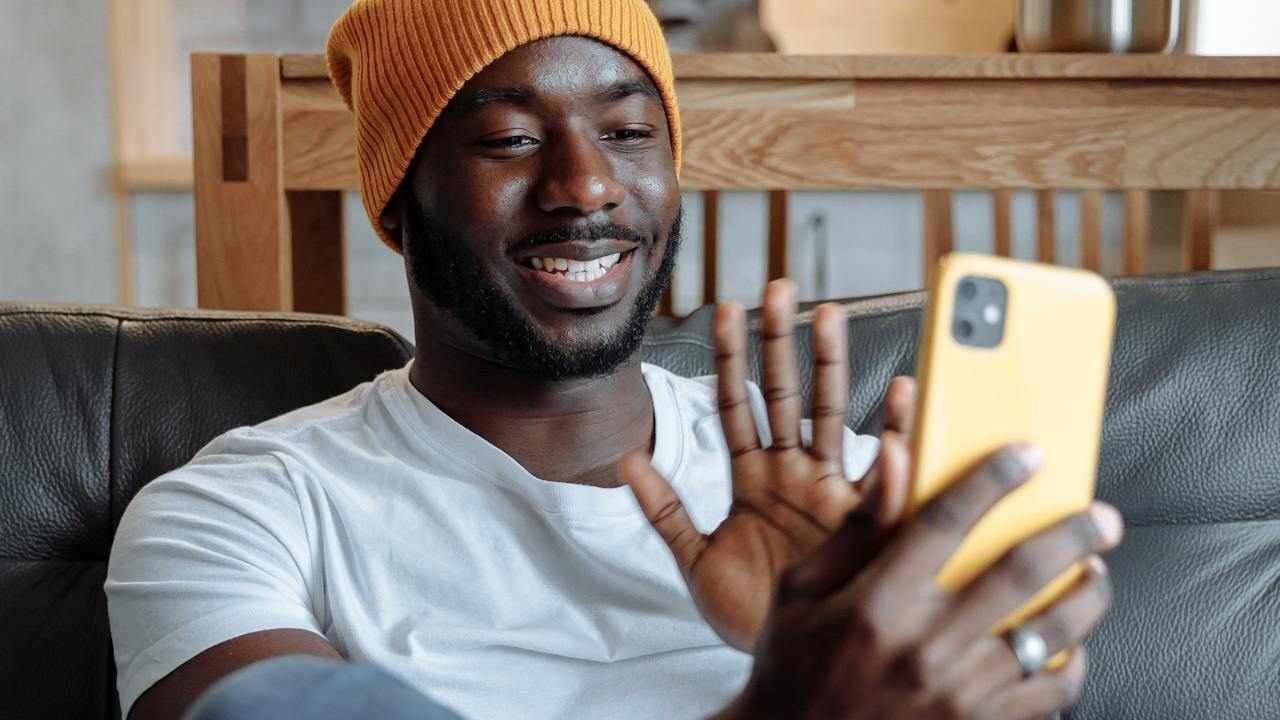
397, 63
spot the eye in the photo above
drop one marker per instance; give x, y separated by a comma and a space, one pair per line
629, 135
513, 142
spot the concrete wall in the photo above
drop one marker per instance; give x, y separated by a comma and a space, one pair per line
57, 233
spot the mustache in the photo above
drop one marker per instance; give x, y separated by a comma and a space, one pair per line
599, 231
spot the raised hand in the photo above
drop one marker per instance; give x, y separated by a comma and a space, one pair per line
788, 498
881, 640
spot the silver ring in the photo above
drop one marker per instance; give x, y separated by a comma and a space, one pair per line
1029, 648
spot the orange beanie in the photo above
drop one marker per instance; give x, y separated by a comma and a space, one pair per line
397, 63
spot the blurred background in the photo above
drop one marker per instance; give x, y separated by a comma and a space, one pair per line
95, 147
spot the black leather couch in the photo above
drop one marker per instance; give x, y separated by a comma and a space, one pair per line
95, 402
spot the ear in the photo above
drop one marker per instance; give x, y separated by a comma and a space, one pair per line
392, 216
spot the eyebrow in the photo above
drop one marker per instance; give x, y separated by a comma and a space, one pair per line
628, 88
511, 95
521, 95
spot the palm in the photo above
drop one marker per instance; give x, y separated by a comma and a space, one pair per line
788, 498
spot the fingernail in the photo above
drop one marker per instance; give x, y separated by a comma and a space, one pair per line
1108, 521
1030, 455
1096, 565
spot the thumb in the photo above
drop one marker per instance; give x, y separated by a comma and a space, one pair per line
663, 508
857, 541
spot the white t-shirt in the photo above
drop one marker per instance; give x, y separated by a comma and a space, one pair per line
377, 521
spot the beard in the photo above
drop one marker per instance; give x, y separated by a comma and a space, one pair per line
448, 272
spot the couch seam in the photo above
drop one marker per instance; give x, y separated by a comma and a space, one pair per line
111, 430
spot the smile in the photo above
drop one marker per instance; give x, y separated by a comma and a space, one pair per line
571, 284
583, 271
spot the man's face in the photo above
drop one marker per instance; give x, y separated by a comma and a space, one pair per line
541, 216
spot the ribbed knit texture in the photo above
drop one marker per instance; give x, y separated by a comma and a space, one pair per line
397, 63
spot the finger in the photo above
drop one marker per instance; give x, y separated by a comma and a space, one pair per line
1028, 567
837, 560
888, 496
1040, 695
663, 508
781, 379
731, 380
862, 533
900, 405
927, 540
1063, 625
830, 383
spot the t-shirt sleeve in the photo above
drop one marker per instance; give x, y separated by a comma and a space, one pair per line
209, 552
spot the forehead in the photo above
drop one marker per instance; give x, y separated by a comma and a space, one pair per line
561, 66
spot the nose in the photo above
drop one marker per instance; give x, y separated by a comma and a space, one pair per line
578, 179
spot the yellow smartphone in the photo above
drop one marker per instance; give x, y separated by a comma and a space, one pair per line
1012, 351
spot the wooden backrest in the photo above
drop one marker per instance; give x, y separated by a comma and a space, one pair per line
274, 148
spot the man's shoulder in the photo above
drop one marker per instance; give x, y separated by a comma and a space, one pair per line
341, 414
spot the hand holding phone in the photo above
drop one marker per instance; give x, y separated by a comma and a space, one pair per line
1012, 352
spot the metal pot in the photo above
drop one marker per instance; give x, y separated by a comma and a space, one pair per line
1117, 26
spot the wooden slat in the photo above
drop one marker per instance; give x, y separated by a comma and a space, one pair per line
1137, 230
777, 234
1091, 230
710, 246
243, 258
938, 239
1002, 209
319, 251
1047, 66
1200, 216
144, 108
956, 131
155, 175
1044, 226
667, 302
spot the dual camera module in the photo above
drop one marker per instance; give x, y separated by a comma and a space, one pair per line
979, 312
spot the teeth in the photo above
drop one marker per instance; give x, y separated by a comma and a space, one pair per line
577, 270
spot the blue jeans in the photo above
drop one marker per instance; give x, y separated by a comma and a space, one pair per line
314, 688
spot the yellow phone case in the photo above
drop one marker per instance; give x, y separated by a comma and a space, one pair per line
1045, 382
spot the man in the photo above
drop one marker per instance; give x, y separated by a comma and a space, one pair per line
455, 536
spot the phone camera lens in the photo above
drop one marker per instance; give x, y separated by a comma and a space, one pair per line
968, 290
964, 329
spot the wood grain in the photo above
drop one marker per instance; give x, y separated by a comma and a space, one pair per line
750, 94
938, 238
243, 258
235, 121
710, 246
1199, 218
777, 234
1045, 66
1137, 230
319, 251
1091, 230
956, 132
1002, 209
1045, 248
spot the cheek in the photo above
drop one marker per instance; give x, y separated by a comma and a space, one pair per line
479, 200
658, 194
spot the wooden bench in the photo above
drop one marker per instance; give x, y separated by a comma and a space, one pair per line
275, 150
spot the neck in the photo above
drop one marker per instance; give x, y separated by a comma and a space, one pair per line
565, 431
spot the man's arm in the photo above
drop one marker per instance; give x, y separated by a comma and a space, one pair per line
169, 698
